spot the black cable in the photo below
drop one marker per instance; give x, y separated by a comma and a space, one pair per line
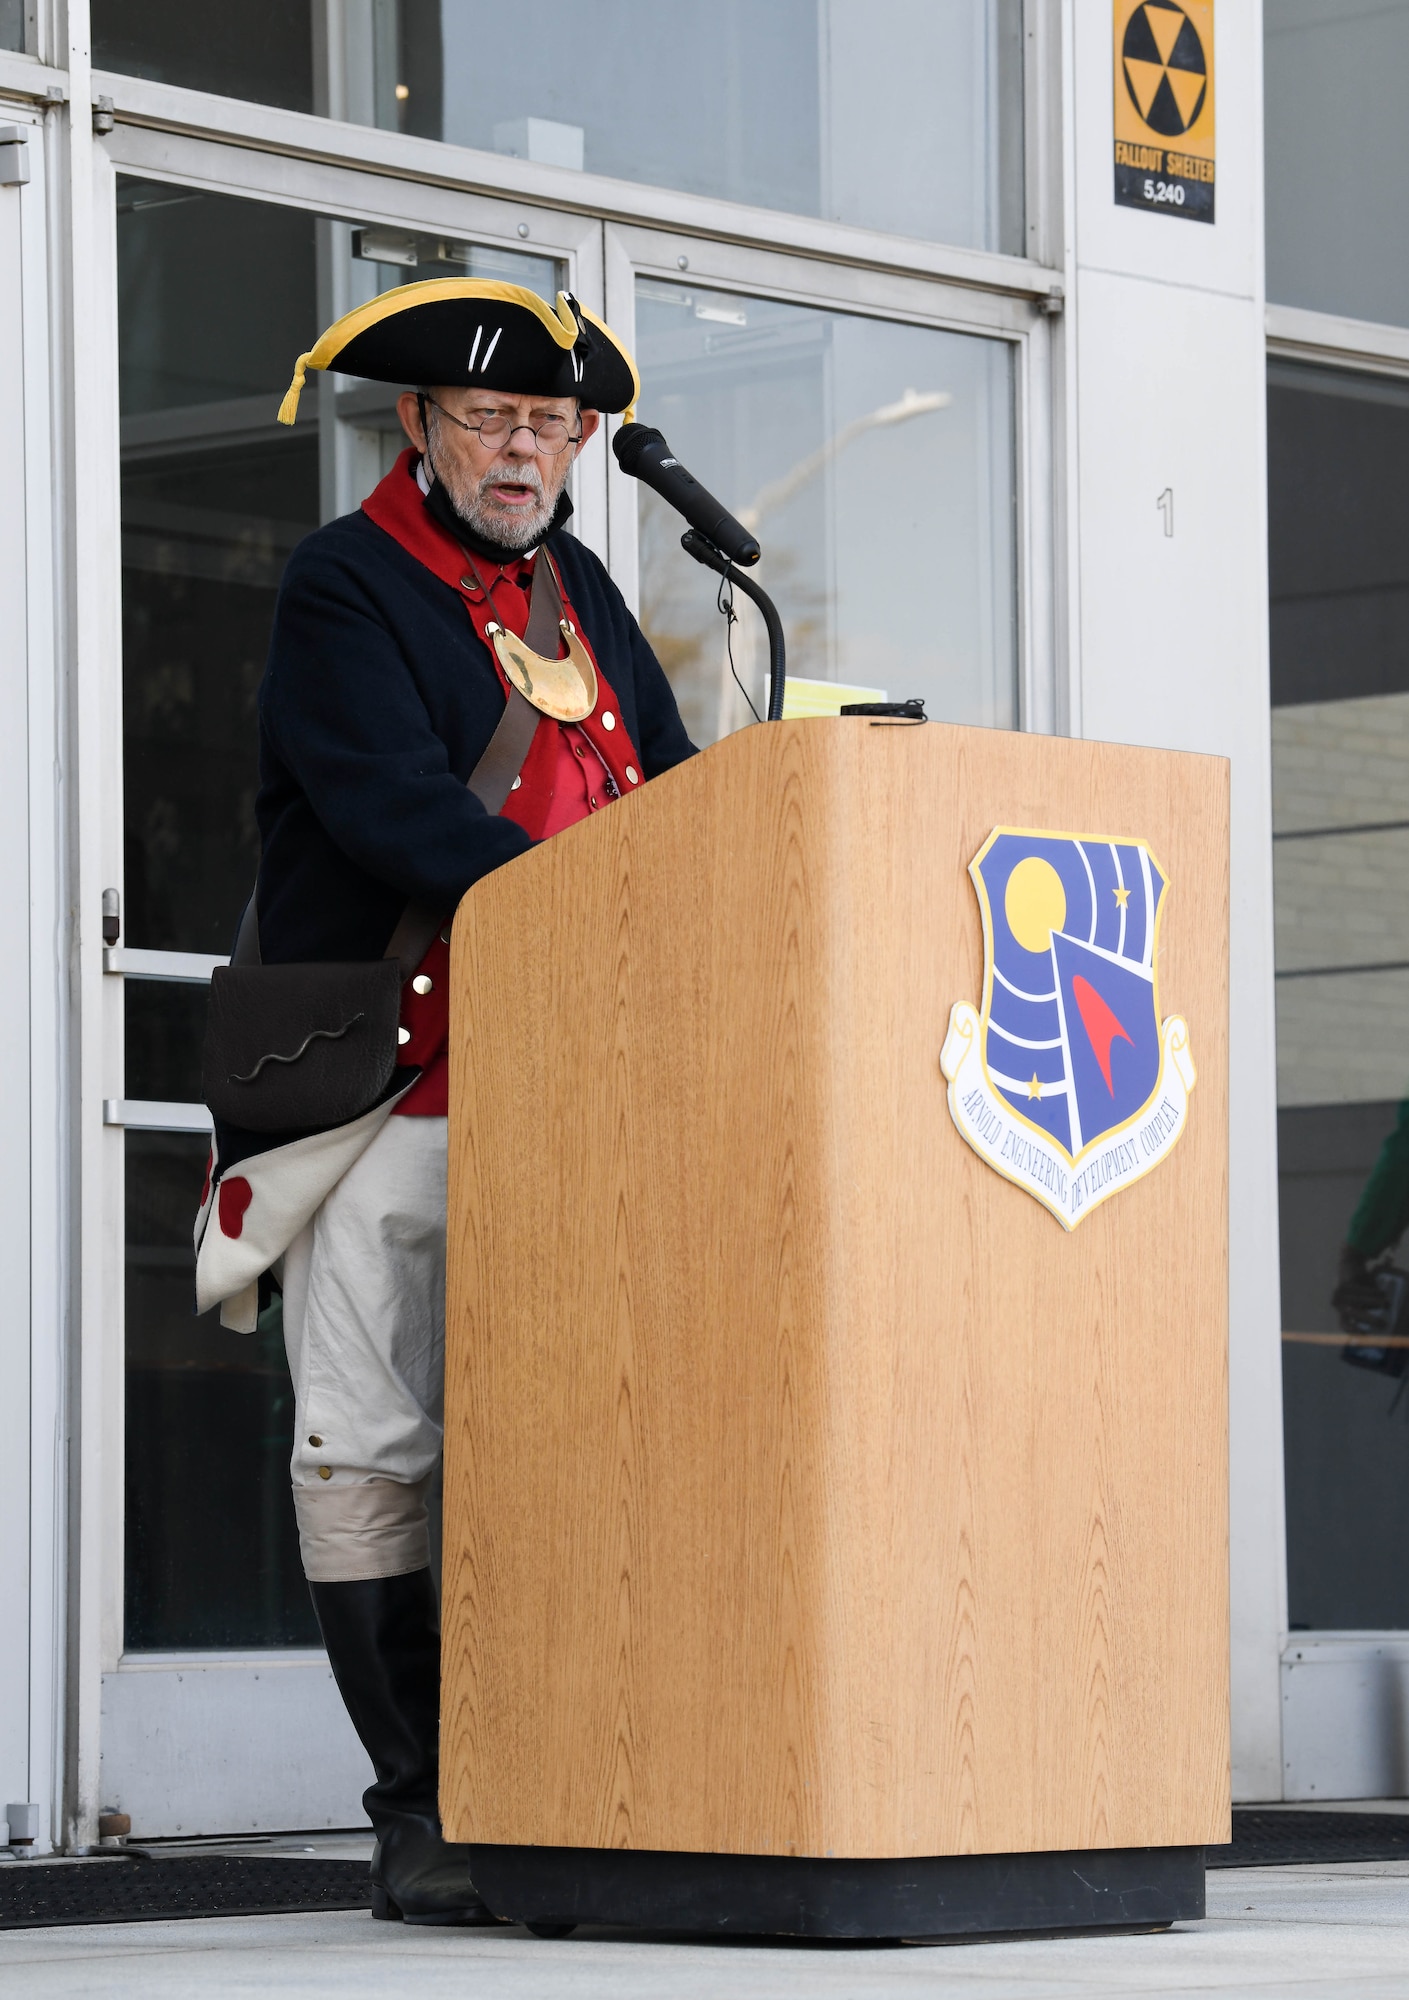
694, 544
724, 602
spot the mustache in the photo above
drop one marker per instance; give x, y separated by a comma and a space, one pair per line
527, 475
479, 505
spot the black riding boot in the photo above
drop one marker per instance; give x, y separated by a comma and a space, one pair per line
385, 1654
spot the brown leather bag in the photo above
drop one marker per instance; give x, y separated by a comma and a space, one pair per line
291, 1048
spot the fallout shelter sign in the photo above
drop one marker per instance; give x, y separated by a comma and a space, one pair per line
1065, 1080
1164, 152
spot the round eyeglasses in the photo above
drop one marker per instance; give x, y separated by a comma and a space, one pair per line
495, 430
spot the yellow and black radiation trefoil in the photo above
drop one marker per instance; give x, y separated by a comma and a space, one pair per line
1164, 127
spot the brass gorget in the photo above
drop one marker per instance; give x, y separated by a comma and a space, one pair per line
565, 689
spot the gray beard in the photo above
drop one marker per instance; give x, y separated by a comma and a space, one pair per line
513, 532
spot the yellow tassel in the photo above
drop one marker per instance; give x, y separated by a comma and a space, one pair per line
628, 416
288, 409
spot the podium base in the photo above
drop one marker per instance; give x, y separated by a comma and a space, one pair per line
953, 1895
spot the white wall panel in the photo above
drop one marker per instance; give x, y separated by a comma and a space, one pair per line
14, 1035
49, 1021
1174, 652
1345, 1716
257, 1744
1171, 650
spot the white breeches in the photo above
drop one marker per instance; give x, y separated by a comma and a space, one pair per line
364, 1325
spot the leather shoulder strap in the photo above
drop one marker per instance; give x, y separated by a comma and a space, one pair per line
545, 608
246, 950
493, 776
490, 781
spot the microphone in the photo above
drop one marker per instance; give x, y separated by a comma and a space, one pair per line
644, 453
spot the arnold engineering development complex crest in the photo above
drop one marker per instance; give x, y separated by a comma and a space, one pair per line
1066, 1080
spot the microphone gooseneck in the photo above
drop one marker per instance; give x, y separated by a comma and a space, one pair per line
643, 453
695, 544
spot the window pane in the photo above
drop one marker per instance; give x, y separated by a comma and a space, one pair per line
12, 24
901, 115
1339, 521
874, 461
165, 1025
217, 297
1337, 147
262, 50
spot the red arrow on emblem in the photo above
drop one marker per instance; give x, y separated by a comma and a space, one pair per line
1100, 1024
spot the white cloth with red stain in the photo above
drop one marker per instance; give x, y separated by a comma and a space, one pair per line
364, 1325
250, 1215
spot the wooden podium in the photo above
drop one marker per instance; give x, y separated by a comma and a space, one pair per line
834, 1544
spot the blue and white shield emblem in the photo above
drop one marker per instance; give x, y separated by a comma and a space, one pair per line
1066, 1080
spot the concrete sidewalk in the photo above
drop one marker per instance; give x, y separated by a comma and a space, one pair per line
1311, 1933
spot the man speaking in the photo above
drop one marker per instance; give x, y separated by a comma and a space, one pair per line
452, 677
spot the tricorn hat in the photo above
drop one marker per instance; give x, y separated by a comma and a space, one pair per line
480, 333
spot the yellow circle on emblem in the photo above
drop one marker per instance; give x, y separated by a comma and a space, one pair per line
1035, 903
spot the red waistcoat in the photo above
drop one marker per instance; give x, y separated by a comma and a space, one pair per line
571, 770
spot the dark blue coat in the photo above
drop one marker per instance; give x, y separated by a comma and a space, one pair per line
377, 702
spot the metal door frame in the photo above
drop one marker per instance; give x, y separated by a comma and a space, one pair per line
34, 1011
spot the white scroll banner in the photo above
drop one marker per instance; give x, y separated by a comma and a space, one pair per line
1027, 1156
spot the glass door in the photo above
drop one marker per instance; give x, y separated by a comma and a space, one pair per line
218, 294
872, 450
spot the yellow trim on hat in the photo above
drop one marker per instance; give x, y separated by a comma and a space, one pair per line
325, 350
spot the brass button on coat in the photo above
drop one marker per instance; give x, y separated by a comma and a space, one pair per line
325, 1472
608, 719
633, 774
315, 1441
421, 984
403, 1035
